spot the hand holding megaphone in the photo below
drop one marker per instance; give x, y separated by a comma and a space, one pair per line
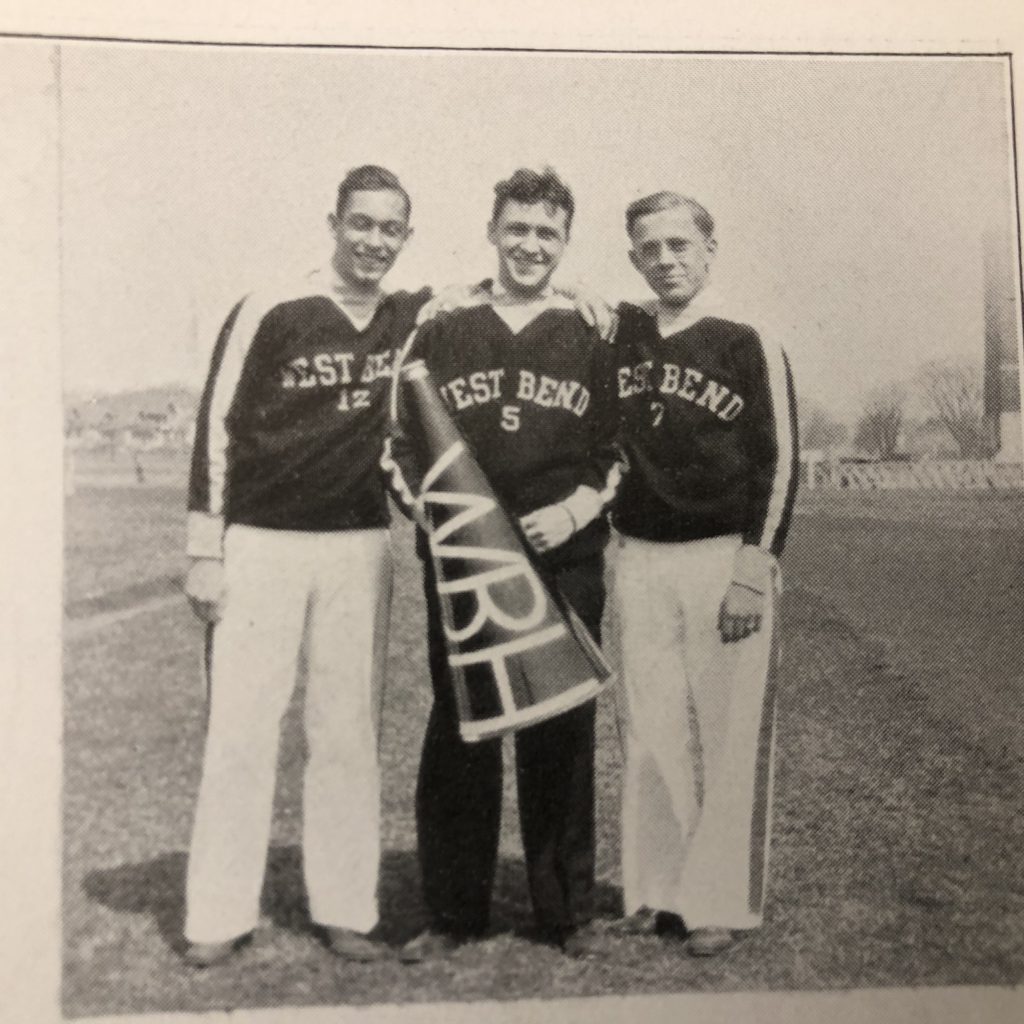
548, 527
517, 653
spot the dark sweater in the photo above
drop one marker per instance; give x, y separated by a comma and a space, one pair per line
537, 409
291, 422
709, 429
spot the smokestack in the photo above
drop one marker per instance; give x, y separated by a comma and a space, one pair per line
1002, 349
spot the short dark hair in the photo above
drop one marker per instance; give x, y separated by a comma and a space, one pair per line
529, 187
370, 178
669, 201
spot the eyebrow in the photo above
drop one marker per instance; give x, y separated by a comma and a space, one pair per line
522, 225
369, 216
673, 240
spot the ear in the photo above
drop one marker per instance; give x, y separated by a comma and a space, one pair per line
712, 246
635, 260
408, 234
492, 232
333, 223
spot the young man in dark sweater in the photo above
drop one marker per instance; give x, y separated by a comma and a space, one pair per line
710, 434
290, 566
531, 388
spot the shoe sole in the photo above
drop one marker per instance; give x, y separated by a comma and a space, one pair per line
201, 961
412, 957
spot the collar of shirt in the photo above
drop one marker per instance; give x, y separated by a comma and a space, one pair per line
705, 303
328, 281
501, 296
518, 314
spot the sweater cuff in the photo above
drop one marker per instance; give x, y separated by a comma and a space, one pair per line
205, 536
753, 568
584, 505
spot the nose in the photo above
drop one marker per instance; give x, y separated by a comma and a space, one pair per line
530, 242
375, 237
664, 257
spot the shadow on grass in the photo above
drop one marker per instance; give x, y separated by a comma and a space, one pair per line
157, 888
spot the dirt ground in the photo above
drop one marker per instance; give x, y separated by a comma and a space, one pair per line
895, 854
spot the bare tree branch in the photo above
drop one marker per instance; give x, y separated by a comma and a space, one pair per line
952, 391
818, 427
878, 429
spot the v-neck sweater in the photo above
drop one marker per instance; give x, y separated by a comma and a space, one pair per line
291, 421
536, 407
709, 430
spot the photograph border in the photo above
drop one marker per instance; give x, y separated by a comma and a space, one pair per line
29, 714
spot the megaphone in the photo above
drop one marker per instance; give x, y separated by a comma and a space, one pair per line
518, 653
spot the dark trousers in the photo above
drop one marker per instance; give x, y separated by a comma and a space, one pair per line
458, 796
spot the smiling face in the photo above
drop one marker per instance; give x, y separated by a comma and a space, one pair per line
530, 239
369, 234
672, 254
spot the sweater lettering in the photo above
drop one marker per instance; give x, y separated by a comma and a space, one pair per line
683, 382
329, 369
484, 386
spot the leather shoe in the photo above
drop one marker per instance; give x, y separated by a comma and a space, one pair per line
207, 954
669, 925
428, 945
352, 945
710, 941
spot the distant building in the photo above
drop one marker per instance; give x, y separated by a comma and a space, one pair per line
96, 424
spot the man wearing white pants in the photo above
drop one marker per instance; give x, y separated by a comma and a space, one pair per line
288, 534
324, 598
709, 428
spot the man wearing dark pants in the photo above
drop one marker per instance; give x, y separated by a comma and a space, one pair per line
460, 786
531, 388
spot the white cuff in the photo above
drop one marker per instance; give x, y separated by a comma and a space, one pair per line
205, 536
584, 505
753, 568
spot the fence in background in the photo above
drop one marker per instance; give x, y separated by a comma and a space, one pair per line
936, 475
121, 467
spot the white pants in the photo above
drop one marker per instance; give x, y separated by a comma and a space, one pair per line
698, 718
312, 604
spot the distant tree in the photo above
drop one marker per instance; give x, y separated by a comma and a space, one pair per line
878, 428
819, 429
951, 390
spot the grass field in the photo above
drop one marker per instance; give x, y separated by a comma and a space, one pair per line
898, 825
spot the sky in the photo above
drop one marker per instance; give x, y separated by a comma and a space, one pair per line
851, 194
